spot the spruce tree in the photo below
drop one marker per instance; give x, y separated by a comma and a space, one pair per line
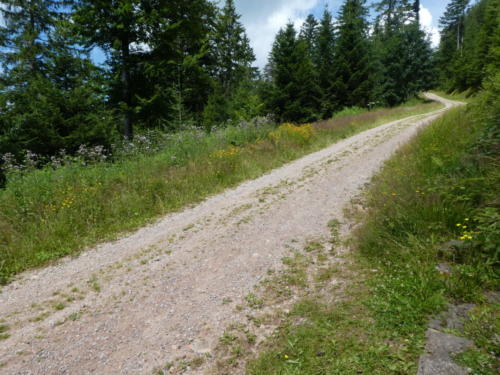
50, 97
326, 65
452, 22
22, 36
234, 56
293, 95
403, 51
452, 37
175, 77
309, 34
115, 26
352, 59
468, 66
393, 14
233, 66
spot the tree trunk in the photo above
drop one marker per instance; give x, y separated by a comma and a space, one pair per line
125, 79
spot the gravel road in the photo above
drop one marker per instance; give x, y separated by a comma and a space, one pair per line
130, 305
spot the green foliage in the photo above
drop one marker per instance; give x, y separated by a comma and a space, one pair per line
325, 65
233, 53
482, 327
353, 86
234, 97
50, 97
443, 195
45, 118
158, 55
468, 52
293, 93
403, 54
309, 34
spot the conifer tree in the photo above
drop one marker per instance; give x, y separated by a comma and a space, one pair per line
293, 94
352, 59
50, 97
468, 66
24, 48
233, 66
234, 56
393, 14
403, 51
175, 76
326, 65
452, 22
452, 38
309, 34
115, 26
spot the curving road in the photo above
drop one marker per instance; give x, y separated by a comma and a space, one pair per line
156, 295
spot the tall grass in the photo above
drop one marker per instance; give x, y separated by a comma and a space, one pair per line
49, 213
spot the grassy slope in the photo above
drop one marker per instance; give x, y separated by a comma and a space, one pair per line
441, 179
47, 214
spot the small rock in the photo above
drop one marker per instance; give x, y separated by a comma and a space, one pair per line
492, 296
444, 269
440, 348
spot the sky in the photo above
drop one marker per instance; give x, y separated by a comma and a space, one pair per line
263, 19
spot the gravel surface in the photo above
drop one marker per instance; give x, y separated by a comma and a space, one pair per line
131, 305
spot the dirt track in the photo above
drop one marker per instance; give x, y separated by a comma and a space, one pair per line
153, 296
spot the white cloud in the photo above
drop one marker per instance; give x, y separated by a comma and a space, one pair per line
427, 25
263, 19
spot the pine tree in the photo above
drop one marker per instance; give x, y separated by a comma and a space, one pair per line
50, 97
403, 51
294, 95
352, 59
326, 65
452, 22
233, 66
175, 77
309, 34
115, 26
234, 56
452, 37
469, 65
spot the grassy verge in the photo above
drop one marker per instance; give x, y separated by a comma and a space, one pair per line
436, 201
46, 214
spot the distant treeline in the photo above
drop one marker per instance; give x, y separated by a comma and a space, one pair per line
172, 63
